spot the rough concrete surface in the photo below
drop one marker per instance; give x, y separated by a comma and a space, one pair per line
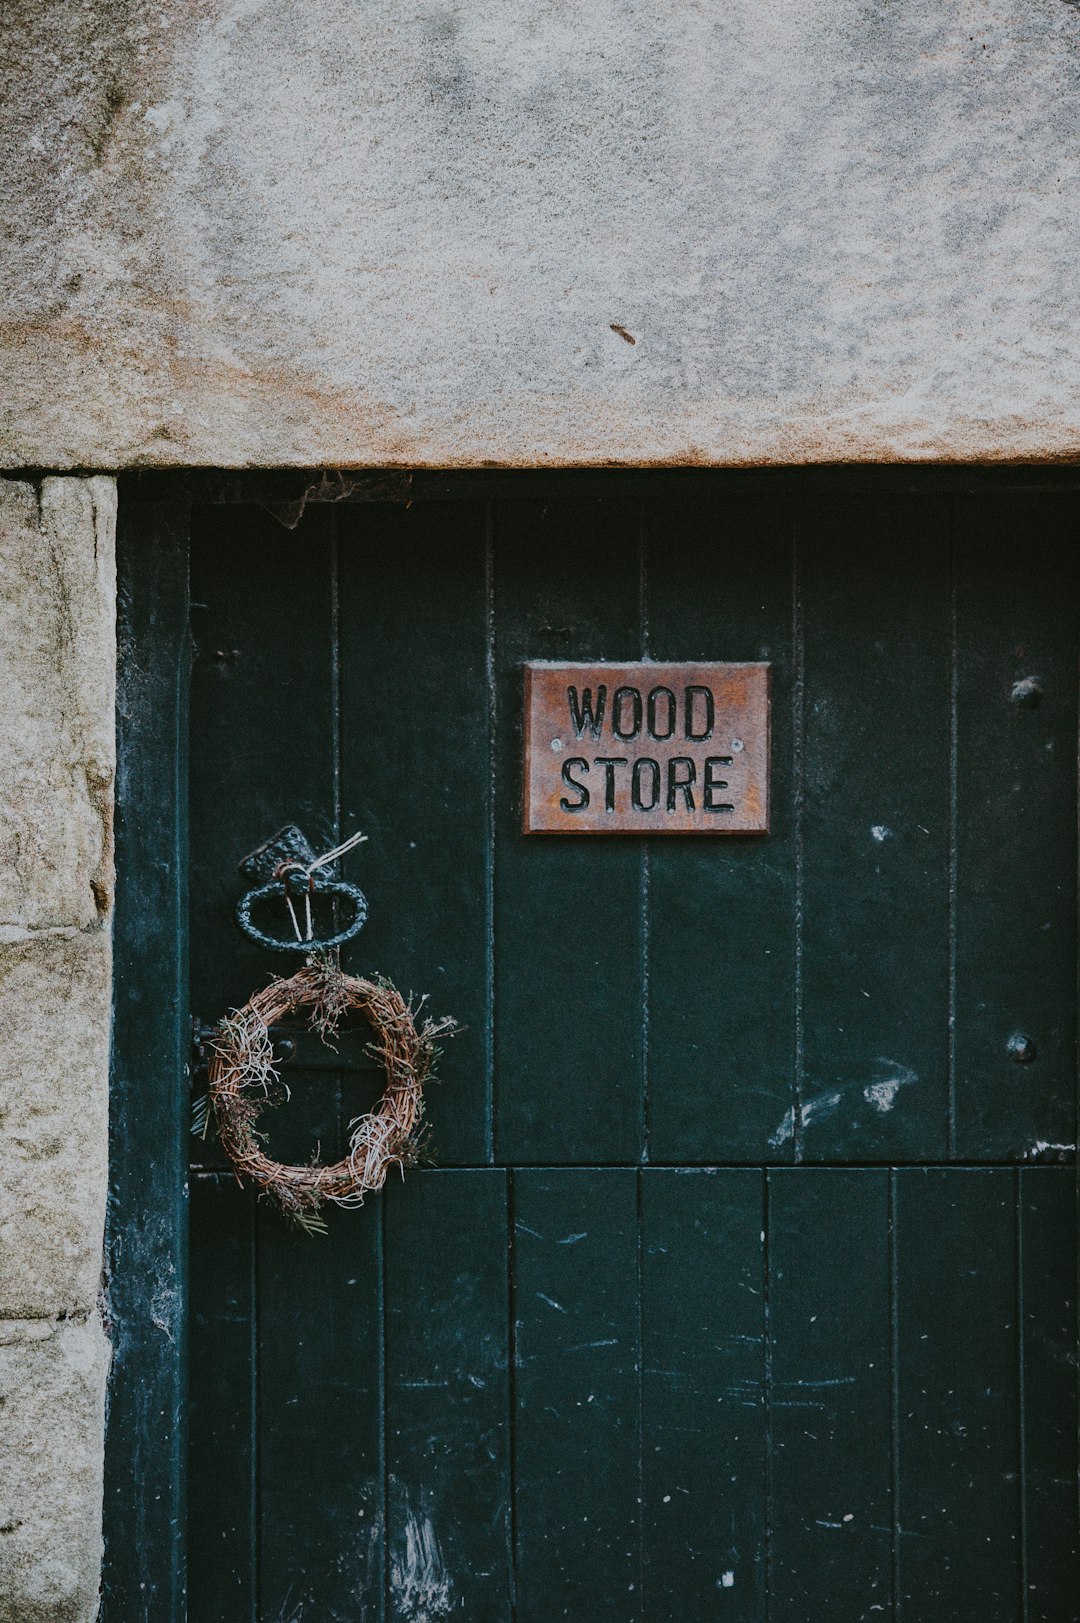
362, 232
57, 685
52, 1414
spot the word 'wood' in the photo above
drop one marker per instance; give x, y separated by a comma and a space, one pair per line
646, 748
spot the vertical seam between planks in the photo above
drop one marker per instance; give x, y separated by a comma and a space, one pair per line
646, 986
799, 787
639, 1193
336, 749
1021, 1400
1076, 1068
384, 1464
643, 613
644, 898
511, 1393
767, 1394
894, 1392
255, 1484
950, 910
643, 602
489, 877
181, 843
335, 669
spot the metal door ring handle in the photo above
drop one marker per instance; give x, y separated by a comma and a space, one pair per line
319, 887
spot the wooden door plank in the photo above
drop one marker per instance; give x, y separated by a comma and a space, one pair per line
958, 1510
263, 721
875, 612
1017, 625
703, 1395
718, 585
416, 777
448, 1396
577, 1472
147, 1228
1048, 1246
568, 909
319, 1416
829, 1402
223, 1500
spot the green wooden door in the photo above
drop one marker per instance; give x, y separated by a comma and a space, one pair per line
744, 1287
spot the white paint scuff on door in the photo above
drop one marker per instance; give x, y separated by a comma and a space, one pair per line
422, 1590
881, 1093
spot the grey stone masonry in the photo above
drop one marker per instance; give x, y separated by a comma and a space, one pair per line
322, 232
57, 684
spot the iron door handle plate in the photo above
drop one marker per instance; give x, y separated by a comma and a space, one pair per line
288, 869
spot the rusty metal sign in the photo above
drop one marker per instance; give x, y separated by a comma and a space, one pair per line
646, 749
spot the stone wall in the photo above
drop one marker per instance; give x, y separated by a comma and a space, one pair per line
57, 662
359, 233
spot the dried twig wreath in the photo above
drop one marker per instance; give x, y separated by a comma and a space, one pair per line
243, 1080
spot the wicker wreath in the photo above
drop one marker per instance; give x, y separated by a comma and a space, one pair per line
243, 1080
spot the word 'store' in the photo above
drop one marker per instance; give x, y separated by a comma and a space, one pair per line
646, 748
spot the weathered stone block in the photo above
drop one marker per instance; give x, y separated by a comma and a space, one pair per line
57, 696
317, 233
54, 1075
52, 1413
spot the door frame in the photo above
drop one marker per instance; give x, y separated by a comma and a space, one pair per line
146, 1273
